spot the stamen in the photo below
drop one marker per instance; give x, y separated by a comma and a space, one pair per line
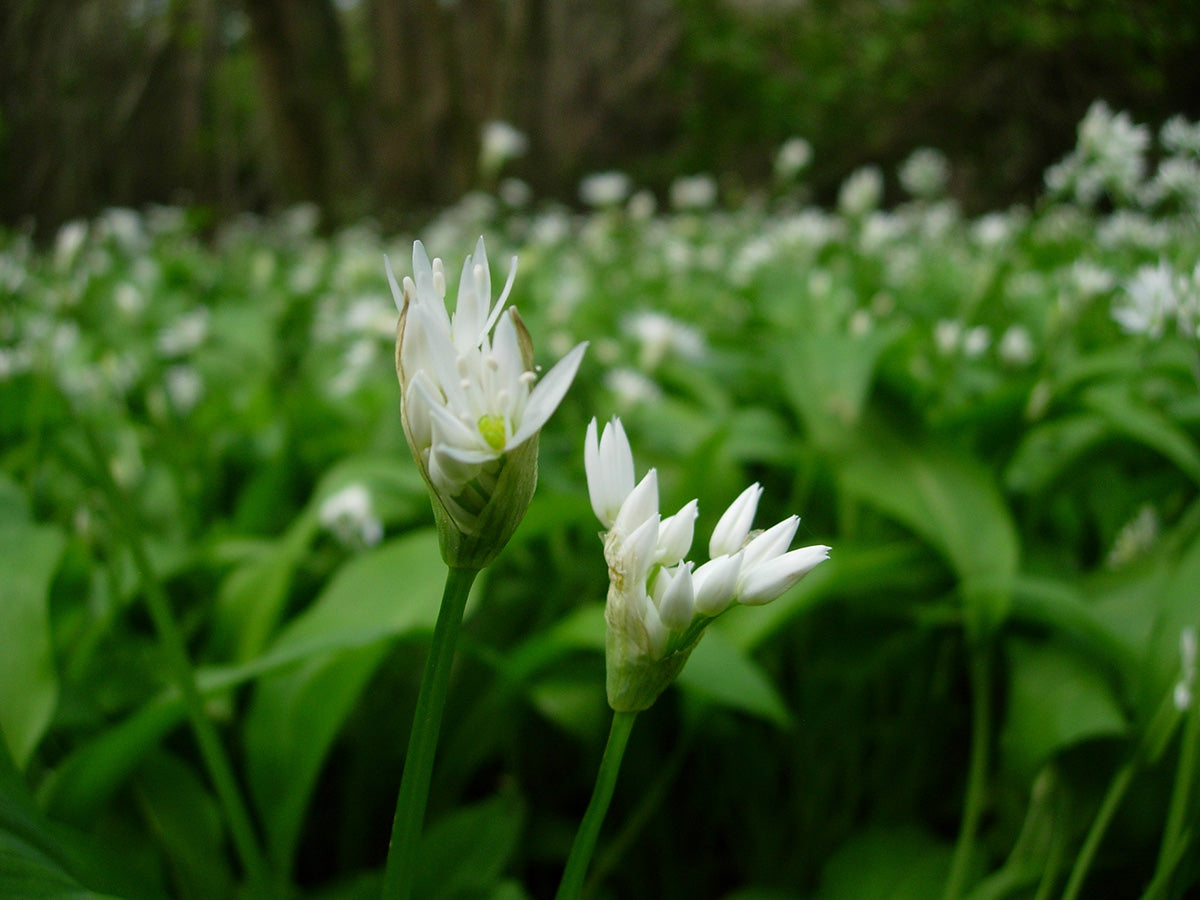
527, 378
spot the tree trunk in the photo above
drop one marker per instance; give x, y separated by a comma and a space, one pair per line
306, 90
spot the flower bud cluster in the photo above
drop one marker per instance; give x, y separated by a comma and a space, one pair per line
659, 602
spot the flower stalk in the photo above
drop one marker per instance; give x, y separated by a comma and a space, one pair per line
400, 873
584, 845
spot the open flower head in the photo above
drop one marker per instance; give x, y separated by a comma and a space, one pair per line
659, 602
472, 402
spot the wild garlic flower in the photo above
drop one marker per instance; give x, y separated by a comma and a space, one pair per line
472, 403
349, 515
659, 603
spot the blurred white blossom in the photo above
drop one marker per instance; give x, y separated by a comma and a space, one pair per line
861, 192
693, 192
603, 190
185, 334
500, 143
1016, 346
792, 158
659, 334
349, 515
925, 173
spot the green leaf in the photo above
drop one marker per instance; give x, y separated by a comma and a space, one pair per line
33, 864
895, 864
952, 502
721, 673
187, 822
1049, 449
1056, 700
1145, 424
828, 374
296, 715
28, 681
465, 852
1179, 608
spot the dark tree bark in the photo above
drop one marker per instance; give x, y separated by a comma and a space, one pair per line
305, 85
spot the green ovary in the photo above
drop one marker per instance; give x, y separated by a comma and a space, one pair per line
492, 429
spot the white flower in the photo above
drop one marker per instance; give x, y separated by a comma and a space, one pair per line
659, 602
350, 517
184, 388
976, 342
792, 157
604, 189
472, 402
693, 192
861, 192
500, 143
185, 334
1149, 302
1016, 346
660, 334
925, 173
1178, 135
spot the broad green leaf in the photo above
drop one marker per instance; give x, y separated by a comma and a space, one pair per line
296, 715
901, 863
464, 853
86, 779
28, 681
1179, 609
188, 824
1049, 449
1056, 699
33, 863
1147, 425
828, 374
721, 673
953, 503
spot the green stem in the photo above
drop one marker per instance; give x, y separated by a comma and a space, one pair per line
571, 886
179, 666
1091, 844
1175, 831
422, 743
981, 736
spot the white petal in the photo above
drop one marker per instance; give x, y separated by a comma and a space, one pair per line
397, 294
676, 603
771, 543
640, 506
656, 631
734, 524
714, 584
616, 460
416, 411
547, 394
768, 580
635, 554
423, 274
675, 535
506, 351
452, 429
470, 309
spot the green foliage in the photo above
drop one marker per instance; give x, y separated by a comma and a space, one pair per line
1004, 462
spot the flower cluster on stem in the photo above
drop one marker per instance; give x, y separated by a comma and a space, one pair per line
659, 602
472, 403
